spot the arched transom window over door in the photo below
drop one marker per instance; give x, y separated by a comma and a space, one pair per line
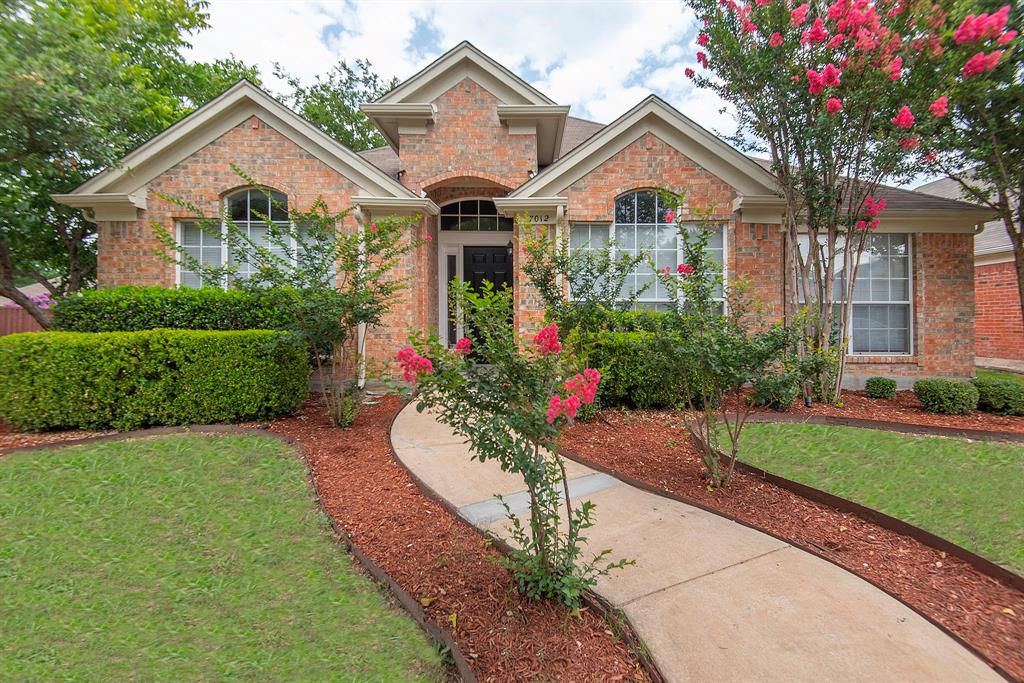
473, 214
640, 229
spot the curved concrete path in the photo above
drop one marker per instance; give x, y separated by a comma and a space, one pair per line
712, 599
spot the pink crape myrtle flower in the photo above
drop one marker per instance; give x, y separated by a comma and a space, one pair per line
555, 408
749, 27
830, 76
690, 73
815, 84
835, 41
975, 29
799, 14
547, 340
904, 118
429, 238
703, 39
463, 346
702, 59
670, 216
373, 227
581, 389
775, 40
865, 225
762, 3
896, 69
816, 34
930, 158
908, 144
980, 63
413, 364
1006, 38
940, 107
873, 207
834, 105
684, 269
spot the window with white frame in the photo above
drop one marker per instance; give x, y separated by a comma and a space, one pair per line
881, 315
249, 210
473, 214
640, 229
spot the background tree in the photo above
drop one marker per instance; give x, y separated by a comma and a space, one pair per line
332, 101
84, 82
980, 141
831, 92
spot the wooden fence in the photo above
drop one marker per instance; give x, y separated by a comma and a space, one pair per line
17, 320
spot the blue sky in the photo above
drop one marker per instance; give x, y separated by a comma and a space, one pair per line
599, 57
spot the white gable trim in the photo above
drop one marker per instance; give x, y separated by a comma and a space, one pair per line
461, 62
653, 115
228, 110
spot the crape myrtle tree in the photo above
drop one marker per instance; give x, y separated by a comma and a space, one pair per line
510, 399
975, 131
831, 93
329, 277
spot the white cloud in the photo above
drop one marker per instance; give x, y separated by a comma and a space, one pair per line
599, 57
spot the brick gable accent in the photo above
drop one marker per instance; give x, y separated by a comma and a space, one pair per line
998, 330
466, 139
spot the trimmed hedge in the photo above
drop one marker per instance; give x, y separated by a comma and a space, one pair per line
946, 396
880, 387
129, 309
637, 370
127, 380
776, 391
1000, 396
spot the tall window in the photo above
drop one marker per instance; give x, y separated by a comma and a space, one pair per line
473, 214
640, 228
881, 313
248, 210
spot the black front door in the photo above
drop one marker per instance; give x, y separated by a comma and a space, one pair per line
487, 263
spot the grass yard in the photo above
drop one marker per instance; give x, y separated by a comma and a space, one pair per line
186, 558
1000, 374
969, 493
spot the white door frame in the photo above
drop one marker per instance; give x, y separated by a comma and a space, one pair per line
451, 243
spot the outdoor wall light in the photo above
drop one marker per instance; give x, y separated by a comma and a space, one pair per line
509, 247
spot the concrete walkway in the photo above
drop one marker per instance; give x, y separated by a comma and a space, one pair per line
712, 599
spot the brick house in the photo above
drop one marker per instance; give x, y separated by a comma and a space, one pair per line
471, 146
998, 327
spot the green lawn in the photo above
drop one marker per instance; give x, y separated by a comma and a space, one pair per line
1000, 374
969, 493
186, 558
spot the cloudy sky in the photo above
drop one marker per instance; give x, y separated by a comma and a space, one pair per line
600, 57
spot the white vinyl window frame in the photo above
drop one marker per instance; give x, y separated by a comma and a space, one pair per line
908, 301
225, 255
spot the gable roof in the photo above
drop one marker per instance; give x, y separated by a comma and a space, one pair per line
654, 115
204, 125
462, 61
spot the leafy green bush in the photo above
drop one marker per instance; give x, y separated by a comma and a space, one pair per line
946, 396
130, 309
126, 380
776, 390
638, 370
880, 387
999, 396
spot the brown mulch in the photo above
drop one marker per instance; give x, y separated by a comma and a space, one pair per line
905, 408
445, 563
651, 447
12, 439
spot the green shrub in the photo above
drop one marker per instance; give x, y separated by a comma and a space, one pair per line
880, 387
1000, 396
637, 371
126, 380
946, 396
130, 309
776, 390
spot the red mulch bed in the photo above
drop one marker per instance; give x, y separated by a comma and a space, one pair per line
650, 446
12, 439
437, 557
905, 408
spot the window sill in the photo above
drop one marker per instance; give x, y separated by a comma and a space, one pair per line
882, 360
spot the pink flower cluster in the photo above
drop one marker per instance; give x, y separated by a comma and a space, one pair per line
775, 40
684, 269
463, 346
582, 388
940, 107
896, 69
413, 364
975, 29
799, 14
872, 208
904, 118
834, 105
670, 216
547, 340
908, 144
828, 78
815, 34
980, 63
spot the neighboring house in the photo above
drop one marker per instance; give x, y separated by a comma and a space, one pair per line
998, 327
14, 319
470, 147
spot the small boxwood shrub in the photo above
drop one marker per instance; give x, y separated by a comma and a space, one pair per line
126, 380
130, 309
999, 396
637, 371
946, 396
776, 390
880, 387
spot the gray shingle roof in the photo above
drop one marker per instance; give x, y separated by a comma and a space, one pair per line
993, 239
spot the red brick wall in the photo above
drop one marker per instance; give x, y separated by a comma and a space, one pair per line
998, 330
467, 139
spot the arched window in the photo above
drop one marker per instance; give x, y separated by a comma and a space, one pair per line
473, 214
249, 210
640, 228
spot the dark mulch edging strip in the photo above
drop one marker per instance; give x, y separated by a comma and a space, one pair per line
838, 503
888, 426
615, 617
401, 596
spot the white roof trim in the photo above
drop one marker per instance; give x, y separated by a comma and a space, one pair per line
547, 122
110, 206
465, 61
390, 118
213, 119
397, 205
653, 115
